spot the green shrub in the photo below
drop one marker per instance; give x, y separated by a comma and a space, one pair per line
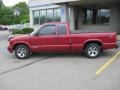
16, 31
27, 30
22, 31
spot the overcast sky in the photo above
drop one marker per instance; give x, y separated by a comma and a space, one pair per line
13, 2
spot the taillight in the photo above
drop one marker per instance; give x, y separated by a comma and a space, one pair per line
117, 38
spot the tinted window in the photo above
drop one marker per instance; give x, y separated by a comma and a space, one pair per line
42, 16
61, 29
36, 17
46, 15
57, 17
47, 30
96, 16
50, 15
103, 16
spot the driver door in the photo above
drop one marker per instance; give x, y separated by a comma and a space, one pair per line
46, 39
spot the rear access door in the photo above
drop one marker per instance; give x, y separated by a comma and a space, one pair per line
63, 39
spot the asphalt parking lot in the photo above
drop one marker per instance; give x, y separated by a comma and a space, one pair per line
58, 71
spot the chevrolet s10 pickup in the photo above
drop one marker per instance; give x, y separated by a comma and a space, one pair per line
56, 37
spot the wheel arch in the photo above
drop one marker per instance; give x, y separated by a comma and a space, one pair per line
98, 42
21, 43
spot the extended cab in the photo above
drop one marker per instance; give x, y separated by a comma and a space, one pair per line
57, 37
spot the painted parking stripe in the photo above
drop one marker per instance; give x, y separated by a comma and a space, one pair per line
103, 67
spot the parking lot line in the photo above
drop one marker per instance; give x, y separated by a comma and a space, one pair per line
104, 66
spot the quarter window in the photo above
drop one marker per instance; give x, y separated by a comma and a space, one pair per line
61, 29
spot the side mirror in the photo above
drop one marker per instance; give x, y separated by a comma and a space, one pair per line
36, 34
54, 33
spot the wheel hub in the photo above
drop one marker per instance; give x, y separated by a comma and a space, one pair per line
93, 51
21, 52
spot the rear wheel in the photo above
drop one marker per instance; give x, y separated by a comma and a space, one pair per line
92, 50
22, 51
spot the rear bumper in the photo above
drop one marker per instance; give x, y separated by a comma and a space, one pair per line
118, 44
10, 49
111, 45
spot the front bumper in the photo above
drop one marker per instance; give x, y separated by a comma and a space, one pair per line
10, 49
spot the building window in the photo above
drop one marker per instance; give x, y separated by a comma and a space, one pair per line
57, 17
36, 17
42, 16
103, 16
50, 15
96, 16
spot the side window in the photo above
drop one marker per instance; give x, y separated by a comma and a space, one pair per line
61, 29
47, 30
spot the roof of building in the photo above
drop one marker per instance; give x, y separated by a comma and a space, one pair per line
53, 1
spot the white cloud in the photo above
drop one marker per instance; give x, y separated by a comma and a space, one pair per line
13, 2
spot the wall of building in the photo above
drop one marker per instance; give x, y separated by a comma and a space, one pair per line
114, 24
72, 17
40, 3
88, 27
96, 28
31, 9
33, 3
115, 18
68, 13
64, 13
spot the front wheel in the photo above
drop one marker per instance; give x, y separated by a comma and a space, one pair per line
92, 50
22, 51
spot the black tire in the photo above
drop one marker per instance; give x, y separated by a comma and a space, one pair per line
92, 50
22, 51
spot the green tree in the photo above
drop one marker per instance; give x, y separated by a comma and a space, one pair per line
1, 6
24, 12
7, 14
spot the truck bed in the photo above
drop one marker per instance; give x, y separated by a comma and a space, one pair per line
86, 31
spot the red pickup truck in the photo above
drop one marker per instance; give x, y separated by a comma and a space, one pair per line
57, 37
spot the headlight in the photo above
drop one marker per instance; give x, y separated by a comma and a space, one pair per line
8, 43
10, 37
